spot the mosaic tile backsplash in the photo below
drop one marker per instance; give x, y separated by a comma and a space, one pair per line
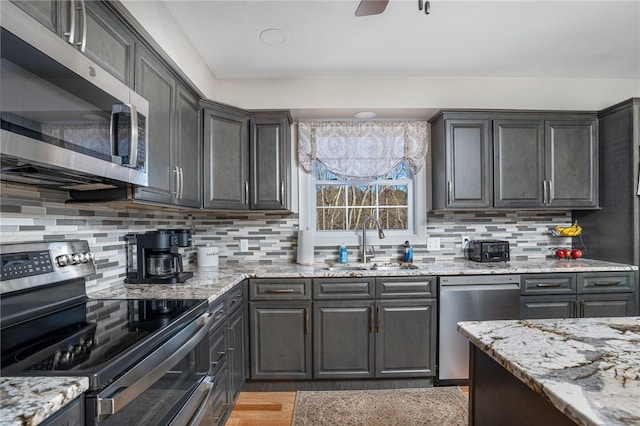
32, 214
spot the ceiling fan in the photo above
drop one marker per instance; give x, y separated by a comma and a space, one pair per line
375, 7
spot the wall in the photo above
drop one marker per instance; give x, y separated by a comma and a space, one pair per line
31, 214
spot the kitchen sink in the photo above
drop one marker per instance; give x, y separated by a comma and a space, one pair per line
391, 266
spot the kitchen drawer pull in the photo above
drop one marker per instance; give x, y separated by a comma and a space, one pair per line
279, 290
219, 314
606, 283
549, 284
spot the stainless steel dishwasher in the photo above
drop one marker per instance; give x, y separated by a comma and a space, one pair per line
470, 298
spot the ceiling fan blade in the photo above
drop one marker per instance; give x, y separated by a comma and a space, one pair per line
371, 7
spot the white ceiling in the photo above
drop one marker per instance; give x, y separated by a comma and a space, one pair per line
529, 39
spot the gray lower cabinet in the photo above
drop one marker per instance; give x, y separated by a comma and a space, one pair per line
280, 328
237, 350
582, 295
357, 336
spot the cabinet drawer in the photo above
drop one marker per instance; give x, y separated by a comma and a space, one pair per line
399, 287
548, 284
218, 349
218, 313
606, 282
343, 288
235, 297
280, 289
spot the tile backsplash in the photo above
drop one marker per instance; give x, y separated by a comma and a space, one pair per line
32, 214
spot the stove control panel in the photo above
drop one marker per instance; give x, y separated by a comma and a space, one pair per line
27, 265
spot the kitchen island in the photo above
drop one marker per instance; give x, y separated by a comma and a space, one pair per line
555, 372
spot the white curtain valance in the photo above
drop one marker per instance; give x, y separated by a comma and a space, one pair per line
362, 149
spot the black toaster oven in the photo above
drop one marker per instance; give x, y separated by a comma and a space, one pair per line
488, 250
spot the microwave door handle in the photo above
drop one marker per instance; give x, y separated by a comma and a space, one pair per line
83, 42
71, 34
133, 137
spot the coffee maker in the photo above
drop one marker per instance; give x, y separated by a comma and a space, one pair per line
154, 258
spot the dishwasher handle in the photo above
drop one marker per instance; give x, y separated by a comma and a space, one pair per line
479, 287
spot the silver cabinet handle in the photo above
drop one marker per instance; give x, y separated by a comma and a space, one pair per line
148, 371
83, 42
246, 194
549, 284
306, 321
371, 320
282, 200
606, 283
550, 192
71, 34
449, 192
544, 190
181, 182
232, 337
133, 141
279, 290
176, 173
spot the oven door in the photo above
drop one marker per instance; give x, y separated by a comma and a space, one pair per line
168, 386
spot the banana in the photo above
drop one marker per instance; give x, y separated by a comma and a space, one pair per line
570, 231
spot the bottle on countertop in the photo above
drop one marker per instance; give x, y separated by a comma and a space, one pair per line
343, 254
408, 252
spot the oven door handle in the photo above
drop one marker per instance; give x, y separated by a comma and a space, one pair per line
196, 405
152, 368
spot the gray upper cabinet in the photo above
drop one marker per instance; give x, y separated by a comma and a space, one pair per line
91, 28
226, 157
174, 135
529, 161
461, 163
270, 136
247, 160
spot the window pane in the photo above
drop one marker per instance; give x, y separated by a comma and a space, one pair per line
393, 218
393, 195
358, 215
330, 195
361, 196
330, 219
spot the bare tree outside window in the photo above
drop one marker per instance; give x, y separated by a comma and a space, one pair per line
343, 203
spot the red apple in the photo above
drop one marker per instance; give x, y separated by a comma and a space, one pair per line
576, 253
562, 253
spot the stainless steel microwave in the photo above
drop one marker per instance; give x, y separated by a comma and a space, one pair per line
66, 122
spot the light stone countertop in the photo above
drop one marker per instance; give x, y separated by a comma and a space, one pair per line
588, 368
30, 400
213, 284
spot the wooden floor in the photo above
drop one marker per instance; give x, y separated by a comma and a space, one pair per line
269, 408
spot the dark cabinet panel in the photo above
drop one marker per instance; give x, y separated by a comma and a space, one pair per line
188, 150
155, 83
280, 340
343, 339
541, 307
406, 338
606, 305
237, 331
519, 166
226, 157
53, 14
270, 147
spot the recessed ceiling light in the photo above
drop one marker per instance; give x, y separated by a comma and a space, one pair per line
273, 36
365, 114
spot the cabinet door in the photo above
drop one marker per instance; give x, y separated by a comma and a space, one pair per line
226, 156
519, 168
468, 164
406, 338
108, 42
53, 14
155, 83
572, 163
606, 305
343, 339
237, 352
280, 340
188, 149
269, 150
541, 307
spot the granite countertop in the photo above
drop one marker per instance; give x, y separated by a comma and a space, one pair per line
588, 368
213, 284
30, 400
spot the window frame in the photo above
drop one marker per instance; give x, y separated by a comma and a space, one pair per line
416, 234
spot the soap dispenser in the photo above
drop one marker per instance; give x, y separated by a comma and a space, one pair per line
343, 254
408, 252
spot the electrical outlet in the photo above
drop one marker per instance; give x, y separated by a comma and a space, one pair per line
464, 241
433, 244
244, 245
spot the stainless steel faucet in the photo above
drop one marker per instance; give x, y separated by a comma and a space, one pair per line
363, 253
